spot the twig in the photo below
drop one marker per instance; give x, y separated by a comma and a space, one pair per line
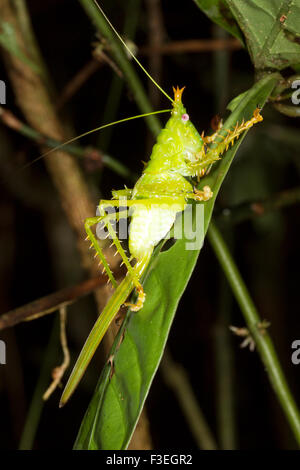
263, 342
226, 398
116, 86
125, 65
176, 378
252, 210
287, 109
223, 349
72, 87
59, 371
36, 103
101, 57
156, 36
192, 46
77, 82
36, 405
50, 303
92, 156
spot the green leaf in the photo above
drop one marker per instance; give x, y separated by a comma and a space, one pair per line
219, 12
235, 101
9, 41
271, 30
117, 402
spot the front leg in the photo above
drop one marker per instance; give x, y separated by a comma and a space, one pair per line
207, 157
232, 135
201, 195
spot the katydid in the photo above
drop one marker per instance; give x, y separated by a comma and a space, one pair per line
178, 161
179, 156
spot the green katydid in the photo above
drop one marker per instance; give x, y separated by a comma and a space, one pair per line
166, 185
179, 159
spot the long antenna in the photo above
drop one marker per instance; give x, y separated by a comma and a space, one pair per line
131, 53
90, 132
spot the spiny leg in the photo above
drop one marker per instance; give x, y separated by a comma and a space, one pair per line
234, 134
94, 243
131, 269
207, 157
140, 300
204, 161
209, 139
105, 220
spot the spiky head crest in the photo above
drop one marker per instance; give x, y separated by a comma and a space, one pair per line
178, 94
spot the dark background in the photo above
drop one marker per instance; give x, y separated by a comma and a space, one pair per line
38, 254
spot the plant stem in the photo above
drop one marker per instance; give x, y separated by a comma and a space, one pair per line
52, 302
251, 210
192, 46
74, 149
37, 404
287, 109
115, 92
123, 62
176, 378
36, 103
263, 342
223, 345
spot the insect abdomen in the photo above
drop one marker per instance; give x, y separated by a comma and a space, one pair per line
147, 227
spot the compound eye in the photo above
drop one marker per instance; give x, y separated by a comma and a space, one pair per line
185, 117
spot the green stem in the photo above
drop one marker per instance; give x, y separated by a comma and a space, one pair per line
263, 342
225, 366
32, 46
116, 87
177, 379
123, 62
223, 345
287, 109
